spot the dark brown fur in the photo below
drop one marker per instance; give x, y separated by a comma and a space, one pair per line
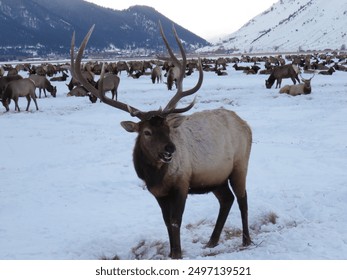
63, 77
330, 71
282, 72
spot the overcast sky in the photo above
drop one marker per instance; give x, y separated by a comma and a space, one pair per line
210, 20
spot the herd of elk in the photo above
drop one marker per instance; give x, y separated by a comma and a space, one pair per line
177, 154
274, 67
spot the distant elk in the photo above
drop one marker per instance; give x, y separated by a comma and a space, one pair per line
19, 88
110, 83
42, 83
5, 80
78, 91
156, 75
38, 70
12, 72
87, 74
61, 78
173, 75
330, 71
177, 155
221, 61
122, 66
241, 68
302, 88
137, 67
282, 72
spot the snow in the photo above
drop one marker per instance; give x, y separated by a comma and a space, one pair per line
69, 189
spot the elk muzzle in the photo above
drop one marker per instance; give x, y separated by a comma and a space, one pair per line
166, 155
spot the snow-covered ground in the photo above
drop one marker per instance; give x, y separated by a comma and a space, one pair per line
68, 189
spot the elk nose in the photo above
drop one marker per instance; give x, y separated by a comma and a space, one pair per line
170, 148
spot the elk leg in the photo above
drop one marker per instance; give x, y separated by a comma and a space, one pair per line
164, 204
16, 107
29, 100
172, 207
238, 183
37, 108
114, 93
243, 206
226, 199
295, 79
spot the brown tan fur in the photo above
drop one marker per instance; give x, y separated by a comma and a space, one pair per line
111, 83
172, 76
78, 91
156, 75
42, 83
201, 160
87, 74
19, 88
302, 88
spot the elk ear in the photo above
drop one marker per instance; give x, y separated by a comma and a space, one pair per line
176, 120
130, 126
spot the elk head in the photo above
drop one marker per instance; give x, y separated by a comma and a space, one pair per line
154, 126
307, 84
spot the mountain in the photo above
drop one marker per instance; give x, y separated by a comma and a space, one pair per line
42, 27
291, 25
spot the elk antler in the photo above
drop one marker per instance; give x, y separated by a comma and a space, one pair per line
171, 106
77, 74
303, 79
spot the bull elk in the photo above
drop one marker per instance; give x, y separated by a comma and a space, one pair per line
176, 155
302, 88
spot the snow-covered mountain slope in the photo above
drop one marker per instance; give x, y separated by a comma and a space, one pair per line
291, 25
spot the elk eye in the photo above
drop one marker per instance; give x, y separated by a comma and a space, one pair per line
147, 132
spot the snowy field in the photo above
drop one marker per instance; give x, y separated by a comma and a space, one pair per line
69, 190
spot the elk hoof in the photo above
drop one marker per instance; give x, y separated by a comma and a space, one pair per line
175, 256
246, 241
211, 244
